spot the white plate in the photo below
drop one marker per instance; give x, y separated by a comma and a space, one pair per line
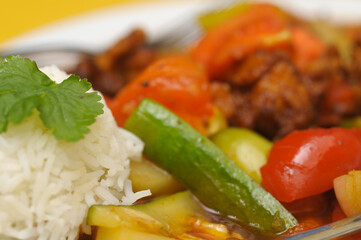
98, 29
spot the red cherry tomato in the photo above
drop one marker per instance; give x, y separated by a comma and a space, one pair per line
177, 82
304, 163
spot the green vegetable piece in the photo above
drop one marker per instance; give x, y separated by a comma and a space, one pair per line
66, 108
351, 122
174, 211
202, 167
145, 175
167, 215
122, 216
248, 149
212, 19
336, 36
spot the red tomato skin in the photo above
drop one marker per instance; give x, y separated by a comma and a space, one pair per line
238, 37
305, 162
306, 46
177, 82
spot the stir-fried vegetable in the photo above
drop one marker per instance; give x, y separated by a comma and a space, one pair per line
348, 192
197, 163
146, 175
179, 216
269, 72
243, 29
352, 122
336, 36
177, 82
248, 149
258, 27
306, 46
217, 123
304, 163
165, 216
213, 19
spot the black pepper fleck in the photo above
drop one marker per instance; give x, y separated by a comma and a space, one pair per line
145, 84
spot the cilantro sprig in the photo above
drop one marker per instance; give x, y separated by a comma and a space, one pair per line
65, 108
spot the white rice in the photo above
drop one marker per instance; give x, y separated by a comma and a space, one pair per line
47, 186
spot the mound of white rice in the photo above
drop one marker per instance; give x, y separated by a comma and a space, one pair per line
47, 186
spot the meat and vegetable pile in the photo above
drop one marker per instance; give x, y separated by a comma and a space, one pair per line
278, 95
250, 132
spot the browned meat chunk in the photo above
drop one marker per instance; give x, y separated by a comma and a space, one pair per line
281, 101
253, 68
356, 60
223, 98
267, 96
111, 70
263, 91
335, 91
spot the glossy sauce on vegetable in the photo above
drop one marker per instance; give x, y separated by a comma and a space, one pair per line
272, 73
305, 162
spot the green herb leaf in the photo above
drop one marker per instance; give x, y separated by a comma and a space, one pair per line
66, 108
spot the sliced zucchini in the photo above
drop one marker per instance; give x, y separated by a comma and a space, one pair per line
204, 169
146, 175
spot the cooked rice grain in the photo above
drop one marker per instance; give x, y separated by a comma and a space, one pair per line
48, 185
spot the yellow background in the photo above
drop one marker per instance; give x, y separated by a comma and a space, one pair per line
18, 16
